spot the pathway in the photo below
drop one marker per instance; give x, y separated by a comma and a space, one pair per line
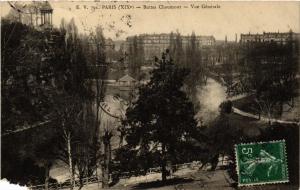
262, 118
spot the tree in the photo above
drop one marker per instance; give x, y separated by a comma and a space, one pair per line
222, 134
176, 50
159, 121
226, 107
43, 81
227, 68
68, 116
107, 134
44, 149
73, 106
194, 63
97, 39
136, 56
27, 90
269, 72
172, 45
26, 76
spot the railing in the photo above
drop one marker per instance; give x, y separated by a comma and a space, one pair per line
65, 185
124, 175
24, 128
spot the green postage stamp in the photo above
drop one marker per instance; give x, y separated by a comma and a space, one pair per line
261, 163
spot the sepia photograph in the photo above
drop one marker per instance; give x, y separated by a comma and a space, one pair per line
158, 95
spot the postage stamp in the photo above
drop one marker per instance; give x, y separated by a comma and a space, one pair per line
261, 163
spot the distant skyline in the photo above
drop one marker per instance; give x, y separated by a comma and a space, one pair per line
230, 19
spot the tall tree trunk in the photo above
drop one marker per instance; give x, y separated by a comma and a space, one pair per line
97, 122
269, 117
81, 183
105, 170
280, 109
163, 171
70, 161
163, 165
47, 168
96, 127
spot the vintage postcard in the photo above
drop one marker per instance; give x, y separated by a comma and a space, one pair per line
150, 95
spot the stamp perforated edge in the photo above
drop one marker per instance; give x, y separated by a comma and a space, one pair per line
261, 183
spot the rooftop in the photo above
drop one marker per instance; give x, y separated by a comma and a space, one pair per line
127, 78
45, 6
32, 7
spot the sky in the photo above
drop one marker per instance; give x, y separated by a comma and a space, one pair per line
229, 19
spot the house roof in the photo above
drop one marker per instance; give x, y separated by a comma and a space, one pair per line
32, 7
45, 6
127, 78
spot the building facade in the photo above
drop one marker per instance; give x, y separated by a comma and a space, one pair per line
279, 38
154, 44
